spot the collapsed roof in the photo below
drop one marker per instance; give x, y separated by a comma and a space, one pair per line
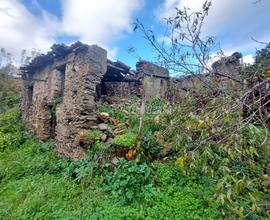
60, 55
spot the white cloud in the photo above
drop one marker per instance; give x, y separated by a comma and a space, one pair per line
166, 40
168, 7
112, 52
233, 22
21, 30
248, 59
100, 22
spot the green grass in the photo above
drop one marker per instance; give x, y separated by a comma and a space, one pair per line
125, 140
35, 184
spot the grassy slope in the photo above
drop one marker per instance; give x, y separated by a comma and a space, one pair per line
34, 185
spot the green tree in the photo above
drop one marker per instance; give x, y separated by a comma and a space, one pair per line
257, 72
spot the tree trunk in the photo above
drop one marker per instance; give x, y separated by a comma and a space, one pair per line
141, 124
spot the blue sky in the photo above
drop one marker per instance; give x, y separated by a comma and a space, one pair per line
27, 24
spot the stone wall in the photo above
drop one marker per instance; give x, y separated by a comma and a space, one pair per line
55, 85
229, 66
155, 79
73, 80
36, 111
181, 85
122, 89
78, 110
224, 71
61, 89
155, 87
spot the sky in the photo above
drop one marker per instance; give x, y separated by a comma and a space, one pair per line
28, 24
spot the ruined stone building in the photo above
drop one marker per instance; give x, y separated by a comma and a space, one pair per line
155, 79
228, 68
224, 70
61, 89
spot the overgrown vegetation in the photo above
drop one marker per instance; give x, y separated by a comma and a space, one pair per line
257, 72
125, 140
36, 184
213, 181
198, 157
11, 128
220, 129
9, 86
131, 182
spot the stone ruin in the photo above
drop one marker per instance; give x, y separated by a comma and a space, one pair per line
61, 89
224, 70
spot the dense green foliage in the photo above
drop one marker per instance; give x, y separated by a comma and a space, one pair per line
208, 181
257, 72
9, 86
36, 184
8, 102
150, 144
131, 181
218, 145
11, 128
125, 140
